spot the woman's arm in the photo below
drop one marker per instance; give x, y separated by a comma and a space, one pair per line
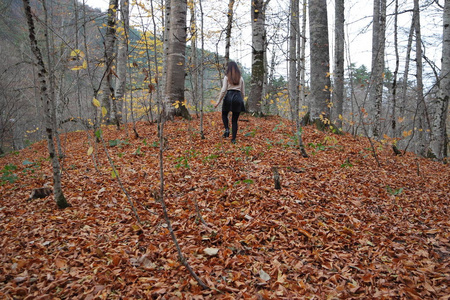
223, 91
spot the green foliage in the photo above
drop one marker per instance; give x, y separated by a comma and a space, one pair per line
138, 151
114, 143
209, 158
98, 134
394, 191
318, 146
8, 175
347, 164
246, 181
30, 166
182, 162
247, 150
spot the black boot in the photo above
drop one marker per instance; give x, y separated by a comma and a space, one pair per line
226, 133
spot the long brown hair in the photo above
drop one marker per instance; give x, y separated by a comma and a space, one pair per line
233, 73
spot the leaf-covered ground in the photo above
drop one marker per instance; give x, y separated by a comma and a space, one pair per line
339, 227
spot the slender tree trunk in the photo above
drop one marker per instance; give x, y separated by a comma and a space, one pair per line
394, 82
403, 99
339, 40
176, 61
110, 41
421, 109
48, 107
320, 62
376, 86
301, 61
258, 53
439, 138
228, 30
122, 61
293, 80
202, 70
194, 55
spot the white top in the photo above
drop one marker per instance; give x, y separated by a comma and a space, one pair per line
228, 86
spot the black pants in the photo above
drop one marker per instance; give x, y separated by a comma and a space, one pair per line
234, 122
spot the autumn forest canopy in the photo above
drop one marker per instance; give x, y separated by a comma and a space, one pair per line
116, 181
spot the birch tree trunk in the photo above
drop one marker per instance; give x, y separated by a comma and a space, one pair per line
402, 106
320, 62
376, 85
301, 60
338, 91
48, 107
258, 53
122, 60
439, 138
194, 65
394, 82
293, 36
176, 61
421, 109
228, 30
110, 41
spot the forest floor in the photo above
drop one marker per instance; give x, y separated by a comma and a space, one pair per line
340, 226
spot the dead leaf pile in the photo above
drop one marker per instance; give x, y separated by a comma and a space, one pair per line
339, 227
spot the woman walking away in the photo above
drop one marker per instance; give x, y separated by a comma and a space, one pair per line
232, 93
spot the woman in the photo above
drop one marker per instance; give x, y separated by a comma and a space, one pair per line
232, 93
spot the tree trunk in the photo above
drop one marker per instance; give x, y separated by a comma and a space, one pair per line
439, 138
403, 99
122, 60
421, 109
48, 107
394, 82
320, 62
202, 69
110, 41
301, 61
228, 30
293, 80
339, 39
258, 53
376, 86
176, 61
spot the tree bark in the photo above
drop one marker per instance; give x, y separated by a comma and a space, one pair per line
176, 61
339, 40
110, 41
439, 138
377, 78
421, 108
228, 30
320, 62
293, 37
48, 106
258, 53
122, 60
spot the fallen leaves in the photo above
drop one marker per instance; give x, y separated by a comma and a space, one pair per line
331, 231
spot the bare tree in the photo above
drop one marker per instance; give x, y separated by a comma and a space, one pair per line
377, 74
439, 138
122, 60
320, 62
49, 108
228, 30
176, 60
338, 90
421, 108
109, 56
258, 12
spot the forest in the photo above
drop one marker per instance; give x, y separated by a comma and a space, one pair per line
116, 181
